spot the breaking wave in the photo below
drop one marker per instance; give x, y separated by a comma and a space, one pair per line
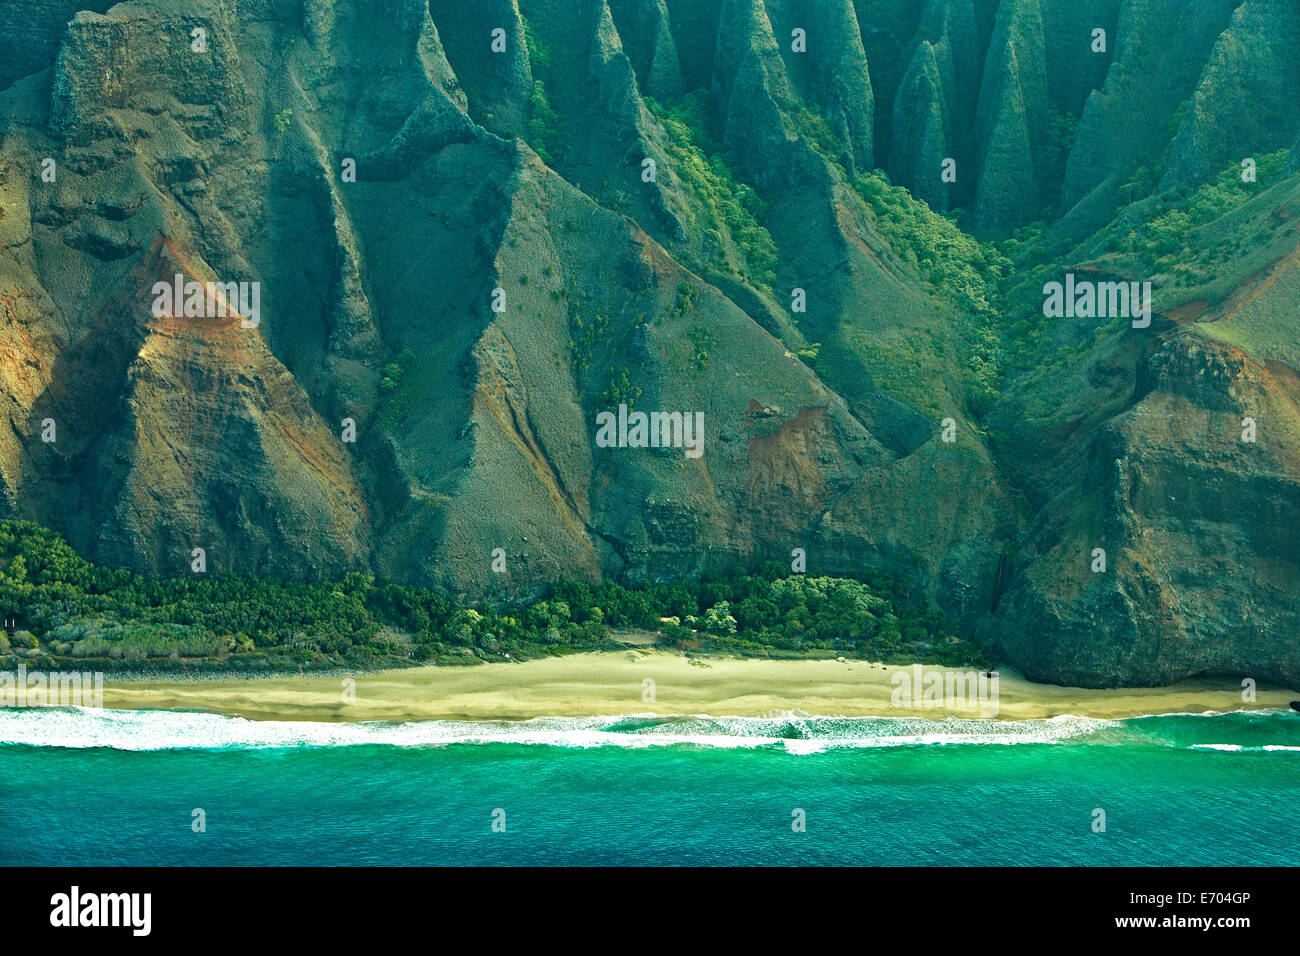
145, 730
796, 733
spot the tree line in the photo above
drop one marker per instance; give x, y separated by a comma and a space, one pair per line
65, 607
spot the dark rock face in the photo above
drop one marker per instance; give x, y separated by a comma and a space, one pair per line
921, 141
1195, 526
462, 259
31, 31
648, 34
1077, 55
1241, 96
91, 78
1011, 122
1125, 124
840, 84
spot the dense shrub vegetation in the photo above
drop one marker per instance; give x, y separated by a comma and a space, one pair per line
70, 609
965, 270
1157, 233
727, 203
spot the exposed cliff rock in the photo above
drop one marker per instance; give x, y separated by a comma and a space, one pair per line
839, 81
1161, 47
750, 85
952, 28
1193, 524
921, 130
887, 28
934, 105
1011, 123
494, 66
650, 44
1077, 56
211, 443
31, 31
91, 77
1245, 101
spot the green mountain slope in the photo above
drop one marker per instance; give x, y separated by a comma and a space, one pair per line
824, 225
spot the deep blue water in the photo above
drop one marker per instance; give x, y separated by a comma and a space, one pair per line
649, 791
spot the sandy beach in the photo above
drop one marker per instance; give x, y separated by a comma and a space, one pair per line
637, 682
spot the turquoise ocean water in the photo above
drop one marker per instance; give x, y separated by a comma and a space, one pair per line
119, 787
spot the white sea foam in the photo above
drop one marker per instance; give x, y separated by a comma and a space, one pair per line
799, 734
1242, 748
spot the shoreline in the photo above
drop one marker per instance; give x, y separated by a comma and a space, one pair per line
663, 683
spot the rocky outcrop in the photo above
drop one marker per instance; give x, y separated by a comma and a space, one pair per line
31, 31
953, 29
1193, 524
486, 47
750, 85
839, 79
1244, 103
921, 142
1078, 54
888, 29
211, 443
650, 45
1011, 123
1161, 47
934, 107
205, 83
